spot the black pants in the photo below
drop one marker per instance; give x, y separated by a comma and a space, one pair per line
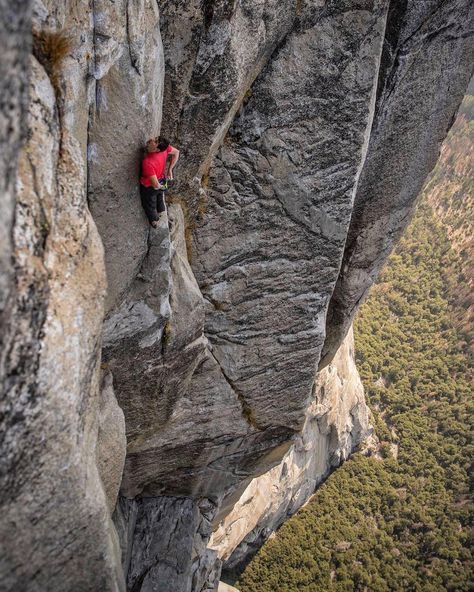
153, 202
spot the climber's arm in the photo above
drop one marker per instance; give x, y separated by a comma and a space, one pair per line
174, 159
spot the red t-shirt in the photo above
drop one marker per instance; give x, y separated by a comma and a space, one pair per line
154, 164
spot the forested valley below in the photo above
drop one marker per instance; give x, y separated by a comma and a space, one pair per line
401, 519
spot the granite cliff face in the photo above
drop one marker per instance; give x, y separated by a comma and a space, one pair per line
306, 130
337, 420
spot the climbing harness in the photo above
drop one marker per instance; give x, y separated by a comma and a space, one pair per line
164, 184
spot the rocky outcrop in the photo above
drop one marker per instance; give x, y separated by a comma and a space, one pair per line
275, 265
164, 544
425, 71
153, 383
286, 113
336, 422
210, 67
281, 197
226, 588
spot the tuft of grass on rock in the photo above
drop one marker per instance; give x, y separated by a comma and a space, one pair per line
51, 48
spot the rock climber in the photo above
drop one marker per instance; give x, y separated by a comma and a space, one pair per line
155, 177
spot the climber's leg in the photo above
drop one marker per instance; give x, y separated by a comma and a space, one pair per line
160, 202
149, 196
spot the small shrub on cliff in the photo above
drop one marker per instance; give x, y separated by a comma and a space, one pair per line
50, 49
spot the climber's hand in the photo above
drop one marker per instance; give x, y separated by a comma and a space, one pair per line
154, 182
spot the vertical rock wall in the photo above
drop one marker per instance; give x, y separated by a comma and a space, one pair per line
60, 472
53, 506
282, 204
125, 88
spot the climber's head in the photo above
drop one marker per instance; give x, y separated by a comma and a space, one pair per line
157, 144
152, 145
162, 143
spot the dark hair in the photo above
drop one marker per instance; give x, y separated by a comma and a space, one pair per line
163, 143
